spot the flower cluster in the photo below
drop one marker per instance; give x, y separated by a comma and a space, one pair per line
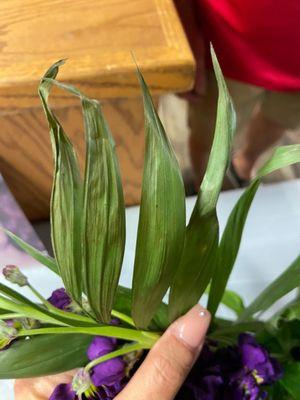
238, 372
105, 381
232, 373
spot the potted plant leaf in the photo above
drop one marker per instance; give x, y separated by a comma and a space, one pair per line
88, 235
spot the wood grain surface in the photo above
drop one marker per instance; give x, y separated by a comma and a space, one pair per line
98, 37
26, 158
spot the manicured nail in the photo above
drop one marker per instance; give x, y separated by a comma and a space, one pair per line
192, 327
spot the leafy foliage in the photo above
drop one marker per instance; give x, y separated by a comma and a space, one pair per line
88, 235
198, 260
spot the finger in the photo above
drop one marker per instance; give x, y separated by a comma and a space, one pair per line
40, 388
170, 360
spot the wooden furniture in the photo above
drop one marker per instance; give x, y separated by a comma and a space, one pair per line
98, 38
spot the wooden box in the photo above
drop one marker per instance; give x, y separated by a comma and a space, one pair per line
98, 37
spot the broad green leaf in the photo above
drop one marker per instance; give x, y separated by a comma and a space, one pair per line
231, 238
34, 253
66, 199
290, 380
285, 283
229, 246
161, 227
198, 259
44, 355
103, 211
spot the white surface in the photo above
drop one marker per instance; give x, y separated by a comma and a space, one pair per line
270, 243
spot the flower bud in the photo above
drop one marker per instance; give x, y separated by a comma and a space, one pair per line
13, 274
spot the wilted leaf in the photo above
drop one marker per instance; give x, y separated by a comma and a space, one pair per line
198, 259
104, 214
66, 200
161, 226
103, 210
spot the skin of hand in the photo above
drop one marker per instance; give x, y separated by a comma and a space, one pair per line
161, 374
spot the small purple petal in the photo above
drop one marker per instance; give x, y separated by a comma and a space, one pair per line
63, 392
60, 299
100, 346
109, 372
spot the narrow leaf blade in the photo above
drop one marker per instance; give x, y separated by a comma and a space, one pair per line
104, 214
161, 226
198, 259
229, 246
285, 283
231, 238
66, 197
34, 253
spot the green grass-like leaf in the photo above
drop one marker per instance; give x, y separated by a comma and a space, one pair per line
231, 238
285, 283
198, 260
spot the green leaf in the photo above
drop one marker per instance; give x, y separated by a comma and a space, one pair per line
285, 283
34, 253
123, 304
103, 211
44, 355
282, 156
290, 380
231, 238
66, 199
229, 246
233, 301
198, 260
161, 228
104, 214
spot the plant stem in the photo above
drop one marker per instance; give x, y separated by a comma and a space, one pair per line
145, 339
12, 316
123, 317
124, 350
58, 312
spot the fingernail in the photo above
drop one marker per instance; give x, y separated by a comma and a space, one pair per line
192, 327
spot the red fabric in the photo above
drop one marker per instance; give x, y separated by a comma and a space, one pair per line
256, 41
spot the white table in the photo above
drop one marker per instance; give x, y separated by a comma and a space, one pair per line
270, 243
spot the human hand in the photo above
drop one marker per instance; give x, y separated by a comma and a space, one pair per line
161, 374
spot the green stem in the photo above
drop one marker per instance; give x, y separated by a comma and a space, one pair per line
124, 350
58, 312
28, 311
146, 339
123, 317
12, 316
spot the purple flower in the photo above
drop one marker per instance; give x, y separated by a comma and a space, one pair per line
256, 359
109, 372
60, 299
100, 346
63, 391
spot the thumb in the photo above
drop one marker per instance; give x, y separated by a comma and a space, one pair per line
170, 360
